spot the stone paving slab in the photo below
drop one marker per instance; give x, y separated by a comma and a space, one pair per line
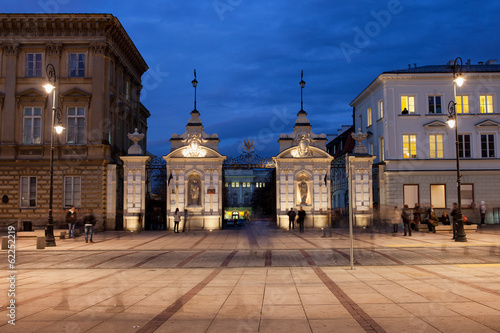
255, 280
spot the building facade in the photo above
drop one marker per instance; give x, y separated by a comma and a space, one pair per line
98, 82
405, 113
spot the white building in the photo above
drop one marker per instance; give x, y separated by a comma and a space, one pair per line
415, 152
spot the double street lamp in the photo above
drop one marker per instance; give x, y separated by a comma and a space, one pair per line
458, 80
50, 87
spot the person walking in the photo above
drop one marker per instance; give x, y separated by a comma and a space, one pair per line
186, 215
405, 215
71, 220
291, 219
177, 219
301, 219
89, 223
482, 212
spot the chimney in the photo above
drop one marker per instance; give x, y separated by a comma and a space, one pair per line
468, 63
415, 65
409, 66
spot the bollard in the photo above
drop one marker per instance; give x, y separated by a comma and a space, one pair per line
5, 242
40, 242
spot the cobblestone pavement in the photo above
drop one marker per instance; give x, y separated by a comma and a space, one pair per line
254, 279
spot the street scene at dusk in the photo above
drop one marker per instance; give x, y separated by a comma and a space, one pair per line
249, 166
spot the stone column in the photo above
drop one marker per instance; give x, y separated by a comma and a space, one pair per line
111, 187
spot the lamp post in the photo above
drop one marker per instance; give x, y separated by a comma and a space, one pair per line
302, 84
50, 87
452, 122
195, 83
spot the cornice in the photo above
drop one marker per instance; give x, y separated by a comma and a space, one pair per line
85, 26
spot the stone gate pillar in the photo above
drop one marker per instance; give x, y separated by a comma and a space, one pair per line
359, 168
134, 185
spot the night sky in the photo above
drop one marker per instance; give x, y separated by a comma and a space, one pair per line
248, 56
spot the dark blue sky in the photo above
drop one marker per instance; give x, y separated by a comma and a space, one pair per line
249, 53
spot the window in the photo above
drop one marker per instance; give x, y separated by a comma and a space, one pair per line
380, 109
382, 149
436, 146
235, 184
487, 145
235, 200
32, 121
76, 125
34, 65
111, 72
438, 196
409, 146
120, 82
486, 103
28, 192
127, 90
408, 103
77, 65
435, 104
227, 184
462, 104
410, 195
369, 117
72, 191
464, 145
370, 148
467, 194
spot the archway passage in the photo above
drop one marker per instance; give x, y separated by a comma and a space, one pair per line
249, 191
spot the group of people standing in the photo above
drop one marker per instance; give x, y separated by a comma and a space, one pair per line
300, 220
88, 222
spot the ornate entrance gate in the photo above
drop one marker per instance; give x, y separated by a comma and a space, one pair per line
156, 194
249, 190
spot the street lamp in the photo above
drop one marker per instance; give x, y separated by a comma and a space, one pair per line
458, 80
302, 84
194, 83
50, 87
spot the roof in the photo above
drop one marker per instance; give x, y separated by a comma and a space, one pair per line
447, 69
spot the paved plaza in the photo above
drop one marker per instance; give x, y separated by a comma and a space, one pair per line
255, 279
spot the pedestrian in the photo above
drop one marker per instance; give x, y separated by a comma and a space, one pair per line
416, 217
482, 212
89, 223
454, 214
445, 218
406, 216
291, 219
433, 222
301, 219
177, 219
430, 225
71, 220
186, 215
395, 218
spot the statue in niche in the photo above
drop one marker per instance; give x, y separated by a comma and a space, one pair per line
303, 192
194, 192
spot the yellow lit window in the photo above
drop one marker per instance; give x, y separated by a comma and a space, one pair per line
380, 109
369, 117
462, 104
409, 146
436, 146
486, 103
382, 148
408, 103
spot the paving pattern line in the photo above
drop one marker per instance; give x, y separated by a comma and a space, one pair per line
139, 264
307, 241
149, 241
188, 259
228, 258
165, 315
346, 256
199, 241
107, 260
363, 319
477, 265
308, 257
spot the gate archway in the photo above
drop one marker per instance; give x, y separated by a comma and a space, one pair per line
156, 182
